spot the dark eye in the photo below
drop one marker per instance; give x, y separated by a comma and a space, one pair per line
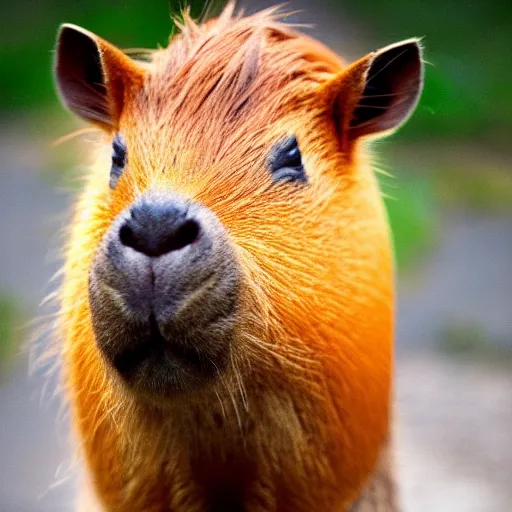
285, 162
118, 159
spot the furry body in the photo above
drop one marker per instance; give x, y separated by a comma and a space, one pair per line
300, 418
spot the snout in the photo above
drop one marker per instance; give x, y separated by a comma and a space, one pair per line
163, 293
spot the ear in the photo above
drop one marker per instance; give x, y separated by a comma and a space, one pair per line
93, 77
377, 93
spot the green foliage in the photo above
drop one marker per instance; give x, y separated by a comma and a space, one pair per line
463, 337
410, 205
9, 316
486, 190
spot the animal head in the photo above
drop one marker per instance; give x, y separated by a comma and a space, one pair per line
231, 235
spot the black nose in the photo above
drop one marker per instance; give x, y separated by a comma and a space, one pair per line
156, 228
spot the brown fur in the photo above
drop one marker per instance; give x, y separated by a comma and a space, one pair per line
298, 421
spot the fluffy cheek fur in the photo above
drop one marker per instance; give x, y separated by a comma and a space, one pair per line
328, 346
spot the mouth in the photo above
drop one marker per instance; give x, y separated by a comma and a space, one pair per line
165, 359
151, 346
165, 346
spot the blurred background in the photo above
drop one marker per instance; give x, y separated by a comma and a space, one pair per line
447, 179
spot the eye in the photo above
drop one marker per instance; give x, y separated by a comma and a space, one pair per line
118, 159
285, 162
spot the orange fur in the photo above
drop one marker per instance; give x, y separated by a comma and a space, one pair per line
304, 406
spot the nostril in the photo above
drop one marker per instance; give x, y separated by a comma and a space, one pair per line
155, 238
186, 234
127, 237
